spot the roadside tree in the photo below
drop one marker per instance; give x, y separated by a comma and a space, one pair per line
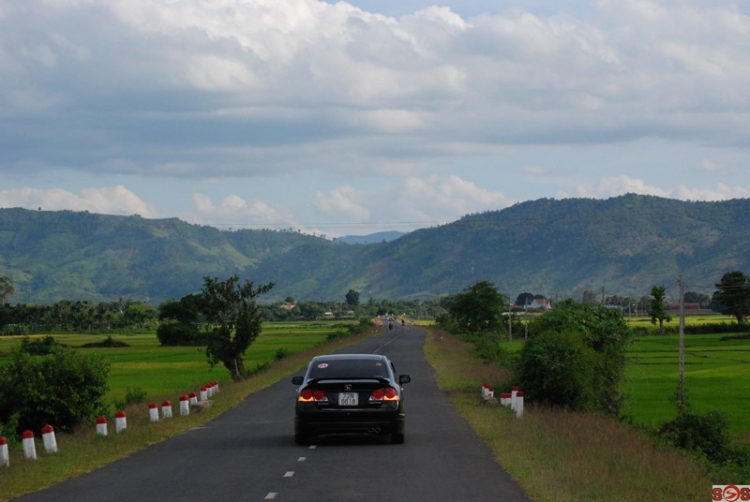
233, 321
478, 309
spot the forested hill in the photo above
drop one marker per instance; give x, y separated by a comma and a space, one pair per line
623, 245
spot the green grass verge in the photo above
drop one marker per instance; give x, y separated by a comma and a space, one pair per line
561, 456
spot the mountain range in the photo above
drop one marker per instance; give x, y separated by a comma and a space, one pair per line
388, 236
558, 248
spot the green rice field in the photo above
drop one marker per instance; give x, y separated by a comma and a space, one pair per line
168, 372
717, 377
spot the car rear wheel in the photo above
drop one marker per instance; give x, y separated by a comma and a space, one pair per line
397, 438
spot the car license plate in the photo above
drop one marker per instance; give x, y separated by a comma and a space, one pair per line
348, 399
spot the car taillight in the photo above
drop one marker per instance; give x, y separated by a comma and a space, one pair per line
384, 394
312, 395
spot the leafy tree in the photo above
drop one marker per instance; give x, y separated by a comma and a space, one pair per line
311, 311
136, 315
233, 321
695, 297
187, 310
733, 294
6, 289
658, 308
478, 309
352, 298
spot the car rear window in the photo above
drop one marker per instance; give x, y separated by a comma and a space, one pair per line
349, 368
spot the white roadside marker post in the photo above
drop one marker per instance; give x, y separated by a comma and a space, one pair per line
101, 426
29, 446
153, 412
4, 456
184, 405
519, 405
48, 436
121, 421
166, 409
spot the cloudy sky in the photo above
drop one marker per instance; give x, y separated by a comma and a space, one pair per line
350, 118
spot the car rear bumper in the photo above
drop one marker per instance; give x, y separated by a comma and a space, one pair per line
331, 424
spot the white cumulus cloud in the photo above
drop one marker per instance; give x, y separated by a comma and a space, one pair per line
236, 211
107, 200
409, 203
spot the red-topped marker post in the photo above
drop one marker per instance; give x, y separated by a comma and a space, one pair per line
166, 409
153, 412
121, 421
184, 405
4, 456
101, 426
29, 446
48, 436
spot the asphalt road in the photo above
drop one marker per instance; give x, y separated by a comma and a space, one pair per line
248, 453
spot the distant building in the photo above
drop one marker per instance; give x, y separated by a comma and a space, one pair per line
540, 304
687, 306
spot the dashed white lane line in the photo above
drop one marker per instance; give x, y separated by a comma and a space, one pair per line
287, 474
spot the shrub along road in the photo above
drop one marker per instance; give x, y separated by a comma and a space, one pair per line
248, 453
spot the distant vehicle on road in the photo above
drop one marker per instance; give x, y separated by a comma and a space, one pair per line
349, 394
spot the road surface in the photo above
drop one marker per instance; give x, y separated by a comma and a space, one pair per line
248, 453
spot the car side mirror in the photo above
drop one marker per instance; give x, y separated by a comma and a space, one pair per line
402, 379
297, 380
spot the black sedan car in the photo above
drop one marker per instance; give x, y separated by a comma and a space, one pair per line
349, 393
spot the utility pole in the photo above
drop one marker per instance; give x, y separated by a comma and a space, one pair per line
681, 381
526, 320
510, 325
